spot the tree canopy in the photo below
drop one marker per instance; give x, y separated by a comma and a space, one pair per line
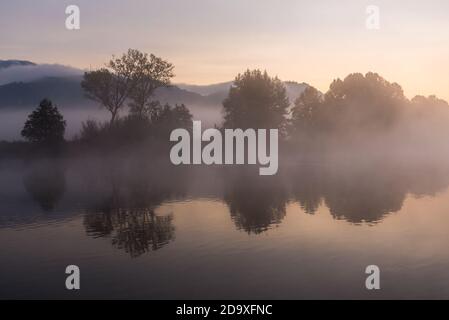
357, 103
256, 100
45, 125
151, 73
308, 111
131, 78
364, 102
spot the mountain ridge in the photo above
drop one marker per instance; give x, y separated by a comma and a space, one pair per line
14, 63
68, 91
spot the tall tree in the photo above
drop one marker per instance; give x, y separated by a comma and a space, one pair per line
367, 102
106, 88
256, 100
45, 125
151, 73
113, 85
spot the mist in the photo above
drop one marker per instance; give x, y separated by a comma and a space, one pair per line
28, 73
13, 120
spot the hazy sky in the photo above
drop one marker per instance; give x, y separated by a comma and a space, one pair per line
213, 40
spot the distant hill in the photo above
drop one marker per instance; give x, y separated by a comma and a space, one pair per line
63, 91
23, 84
14, 63
206, 90
67, 91
220, 90
176, 95
294, 89
26, 71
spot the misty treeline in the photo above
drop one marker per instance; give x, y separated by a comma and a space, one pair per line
366, 112
359, 113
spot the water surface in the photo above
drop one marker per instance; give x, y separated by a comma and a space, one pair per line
208, 233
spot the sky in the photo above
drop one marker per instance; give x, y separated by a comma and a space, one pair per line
211, 41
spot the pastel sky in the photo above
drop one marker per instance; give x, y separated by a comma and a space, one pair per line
212, 40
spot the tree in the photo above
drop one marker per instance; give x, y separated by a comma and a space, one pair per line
256, 100
430, 103
132, 77
46, 183
151, 73
307, 112
45, 125
367, 102
106, 88
112, 85
165, 118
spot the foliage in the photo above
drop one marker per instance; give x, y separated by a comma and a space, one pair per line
359, 103
257, 101
131, 78
134, 129
45, 125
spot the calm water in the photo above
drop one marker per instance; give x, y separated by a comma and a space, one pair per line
140, 232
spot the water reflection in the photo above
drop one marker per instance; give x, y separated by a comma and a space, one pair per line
255, 202
361, 194
120, 199
212, 223
46, 183
126, 214
307, 187
137, 231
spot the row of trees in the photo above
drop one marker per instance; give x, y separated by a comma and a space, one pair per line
128, 82
46, 126
358, 103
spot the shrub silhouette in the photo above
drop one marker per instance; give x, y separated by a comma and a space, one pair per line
45, 125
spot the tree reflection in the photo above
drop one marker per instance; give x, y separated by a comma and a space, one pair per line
361, 193
127, 213
46, 183
137, 231
307, 187
363, 196
255, 202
